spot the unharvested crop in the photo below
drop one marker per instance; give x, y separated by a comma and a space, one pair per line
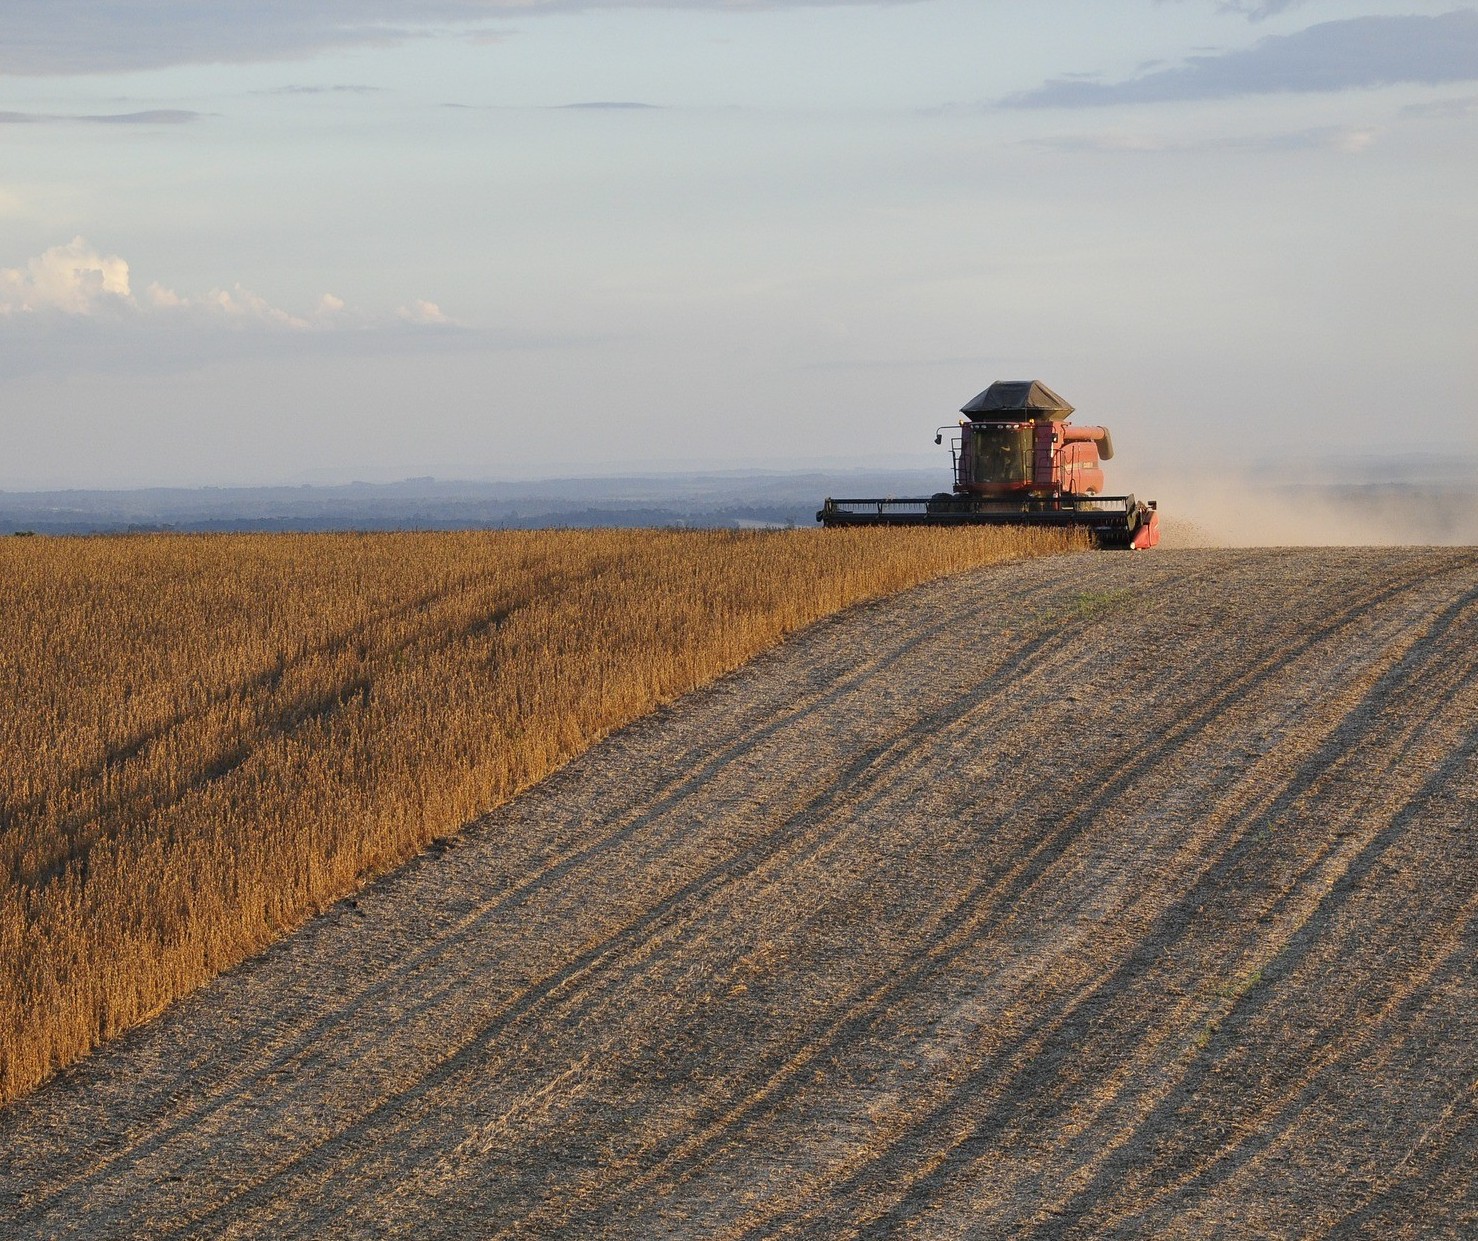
204, 740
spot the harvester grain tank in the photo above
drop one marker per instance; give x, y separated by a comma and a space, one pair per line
1018, 462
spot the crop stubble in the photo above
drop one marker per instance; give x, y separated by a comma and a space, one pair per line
1102, 895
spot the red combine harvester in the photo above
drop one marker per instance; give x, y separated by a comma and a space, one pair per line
1018, 463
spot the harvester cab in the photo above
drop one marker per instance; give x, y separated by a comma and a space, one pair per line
1018, 461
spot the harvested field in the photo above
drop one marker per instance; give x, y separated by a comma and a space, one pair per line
1094, 895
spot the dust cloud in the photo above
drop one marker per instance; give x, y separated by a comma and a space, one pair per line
1226, 513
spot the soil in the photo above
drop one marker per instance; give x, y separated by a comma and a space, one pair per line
1105, 895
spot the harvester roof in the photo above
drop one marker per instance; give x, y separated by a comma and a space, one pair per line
1027, 399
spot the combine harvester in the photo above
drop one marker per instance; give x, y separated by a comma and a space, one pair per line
1018, 463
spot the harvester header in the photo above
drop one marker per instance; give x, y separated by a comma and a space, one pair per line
1018, 461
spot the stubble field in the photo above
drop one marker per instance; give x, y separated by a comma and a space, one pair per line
1100, 895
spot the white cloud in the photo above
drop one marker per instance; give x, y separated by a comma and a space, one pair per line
73, 279
1345, 139
424, 312
165, 299
77, 281
240, 305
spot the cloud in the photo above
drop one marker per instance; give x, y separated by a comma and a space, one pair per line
99, 36
426, 314
155, 116
77, 310
1349, 140
614, 105
1332, 56
240, 305
73, 279
78, 282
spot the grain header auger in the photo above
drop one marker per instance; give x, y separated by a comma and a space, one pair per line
1018, 462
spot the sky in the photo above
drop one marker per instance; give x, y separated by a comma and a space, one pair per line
281, 241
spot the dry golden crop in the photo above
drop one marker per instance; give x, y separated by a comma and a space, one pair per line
204, 740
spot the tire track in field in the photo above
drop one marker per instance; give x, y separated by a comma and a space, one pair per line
1120, 1160
1173, 922
1159, 935
958, 937
1193, 720
1333, 867
998, 904
853, 1187
1365, 1029
1276, 1119
1262, 954
1391, 1216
